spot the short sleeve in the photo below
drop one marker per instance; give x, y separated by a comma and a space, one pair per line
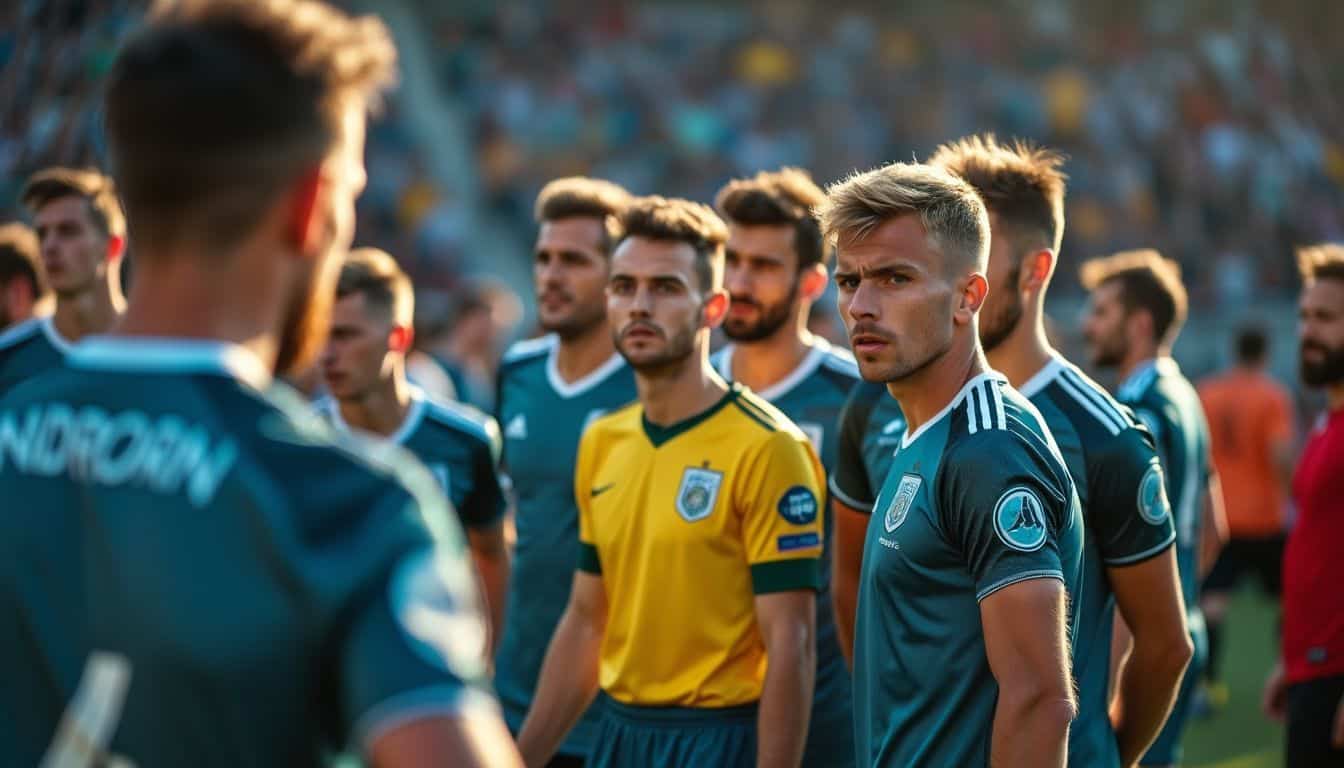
849, 481
1004, 507
1128, 512
583, 485
779, 499
485, 505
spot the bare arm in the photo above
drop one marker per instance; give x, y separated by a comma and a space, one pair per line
1213, 533
1148, 595
788, 625
568, 681
1026, 640
469, 739
851, 527
490, 555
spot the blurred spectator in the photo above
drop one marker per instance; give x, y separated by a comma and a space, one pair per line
23, 283
466, 340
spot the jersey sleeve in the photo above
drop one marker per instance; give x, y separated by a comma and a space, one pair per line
485, 505
1003, 507
779, 499
589, 562
849, 481
1128, 511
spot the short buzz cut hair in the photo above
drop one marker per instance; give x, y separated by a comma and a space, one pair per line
1148, 282
216, 107
376, 276
786, 197
19, 258
682, 221
1021, 183
952, 214
584, 197
1323, 261
97, 190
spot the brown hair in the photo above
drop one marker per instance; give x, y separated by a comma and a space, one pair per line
1324, 261
784, 197
19, 258
97, 190
682, 221
1148, 282
1021, 183
377, 276
216, 106
583, 197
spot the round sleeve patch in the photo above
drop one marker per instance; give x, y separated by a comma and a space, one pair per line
1019, 519
798, 505
1153, 505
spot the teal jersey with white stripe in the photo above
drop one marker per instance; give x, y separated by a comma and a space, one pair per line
812, 396
976, 499
28, 349
1114, 466
871, 426
459, 445
542, 418
204, 573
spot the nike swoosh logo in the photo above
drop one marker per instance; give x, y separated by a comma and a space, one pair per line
598, 491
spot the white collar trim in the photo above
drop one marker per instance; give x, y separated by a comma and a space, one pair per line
414, 416
810, 363
1048, 373
48, 326
583, 384
910, 437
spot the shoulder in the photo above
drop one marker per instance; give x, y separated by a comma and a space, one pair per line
521, 353
998, 432
765, 418
622, 420
20, 334
839, 363
1092, 410
463, 419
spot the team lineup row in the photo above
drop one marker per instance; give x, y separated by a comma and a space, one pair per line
946, 547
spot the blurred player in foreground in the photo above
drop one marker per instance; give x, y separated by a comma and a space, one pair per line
775, 268
364, 366
82, 233
201, 570
23, 282
1129, 559
961, 653
1138, 305
693, 606
1306, 687
550, 389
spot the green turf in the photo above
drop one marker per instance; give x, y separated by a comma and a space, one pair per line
1240, 736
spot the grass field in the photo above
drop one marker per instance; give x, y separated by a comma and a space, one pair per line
1240, 736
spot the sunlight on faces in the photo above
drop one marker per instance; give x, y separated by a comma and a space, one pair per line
1106, 326
75, 252
1003, 305
360, 350
656, 305
900, 298
1321, 332
569, 273
762, 278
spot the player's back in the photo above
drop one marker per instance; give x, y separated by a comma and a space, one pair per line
28, 348
1247, 412
182, 534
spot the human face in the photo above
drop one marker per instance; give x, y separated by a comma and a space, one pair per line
656, 305
1105, 327
1321, 333
1003, 306
358, 354
896, 298
762, 277
75, 251
569, 272
308, 315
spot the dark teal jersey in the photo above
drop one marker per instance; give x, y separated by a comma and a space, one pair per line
976, 499
199, 571
812, 397
1115, 469
542, 418
29, 348
459, 444
871, 426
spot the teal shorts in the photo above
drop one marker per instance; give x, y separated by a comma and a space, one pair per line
673, 737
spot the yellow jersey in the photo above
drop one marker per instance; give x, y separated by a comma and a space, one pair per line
686, 524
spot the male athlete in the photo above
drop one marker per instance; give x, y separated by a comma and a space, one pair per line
1129, 558
775, 268
23, 283
961, 653
549, 390
1137, 308
193, 567
364, 366
82, 233
693, 606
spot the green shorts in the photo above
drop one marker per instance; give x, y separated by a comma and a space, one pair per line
671, 737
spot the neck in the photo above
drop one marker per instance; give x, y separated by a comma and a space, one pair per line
381, 410
581, 355
1138, 355
680, 391
762, 364
1025, 351
923, 394
93, 311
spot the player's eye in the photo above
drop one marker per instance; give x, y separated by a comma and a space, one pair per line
846, 283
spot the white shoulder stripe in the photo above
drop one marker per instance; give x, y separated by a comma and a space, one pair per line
986, 411
972, 418
1099, 396
1110, 421
997, 393
21, 332
529, 348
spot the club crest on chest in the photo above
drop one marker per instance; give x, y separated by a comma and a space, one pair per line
899, 508
698, 493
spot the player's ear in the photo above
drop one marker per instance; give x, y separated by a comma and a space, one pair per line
715, 308
812, 282
116, 247
305, 225
401, 338
973, 293
1036, 270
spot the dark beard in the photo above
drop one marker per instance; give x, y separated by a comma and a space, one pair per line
772, 319
306, 325
991, 337
1328, 371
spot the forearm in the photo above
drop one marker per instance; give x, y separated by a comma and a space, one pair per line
845, 602
785, 706
1148, 688
1031, 730
493, 569
567, 685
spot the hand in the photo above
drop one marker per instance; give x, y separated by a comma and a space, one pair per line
1274, 701
1337, 733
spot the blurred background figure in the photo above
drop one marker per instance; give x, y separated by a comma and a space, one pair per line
1250, 418
23, 282
480, 320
